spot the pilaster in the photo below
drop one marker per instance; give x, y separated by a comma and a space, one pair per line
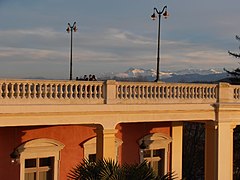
219, 151
177, 140
110, 92
109, 148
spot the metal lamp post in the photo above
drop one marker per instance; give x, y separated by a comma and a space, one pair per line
71, 29
153, 16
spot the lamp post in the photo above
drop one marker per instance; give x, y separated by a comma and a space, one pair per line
153, 16
71, 29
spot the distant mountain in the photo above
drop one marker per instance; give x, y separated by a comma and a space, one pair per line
186, 75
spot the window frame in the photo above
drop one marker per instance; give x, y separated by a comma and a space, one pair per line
40, 148
156, 141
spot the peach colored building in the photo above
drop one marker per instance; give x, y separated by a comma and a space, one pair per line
50, 126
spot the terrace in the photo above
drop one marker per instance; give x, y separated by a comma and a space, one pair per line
113, 92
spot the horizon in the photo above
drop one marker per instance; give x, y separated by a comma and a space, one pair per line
114, 36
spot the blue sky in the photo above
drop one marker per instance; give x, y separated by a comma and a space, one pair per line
114, 35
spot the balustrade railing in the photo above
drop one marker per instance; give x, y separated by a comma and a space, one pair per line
50, 91
166, 92
236, 92
113, 92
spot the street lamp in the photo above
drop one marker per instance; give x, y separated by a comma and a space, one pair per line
153, 16
71, 29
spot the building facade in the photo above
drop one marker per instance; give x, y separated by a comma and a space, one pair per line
49, 126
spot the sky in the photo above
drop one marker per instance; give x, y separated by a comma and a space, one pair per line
114, 35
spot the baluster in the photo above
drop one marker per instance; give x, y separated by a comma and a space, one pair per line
16, 90
70, 91
160, 92
34, 91
92, 88
55, 91
200, 92
132, 92
101, 91
235, 93
141, 96
176, 92
93, 91
80, 91
146, 92
43, 88
192, 93
188, 92
27, 92
84, 90
74, 89
1, 91
10, 94
51, 95
90, 91
180, 92
64, 91
168, 92
211, 93
208, 95
153, 93
137, 90
197, 92
39, 91
121, 91
23, 90
128, 91
21, 93
124, 91
4, 86
60, 91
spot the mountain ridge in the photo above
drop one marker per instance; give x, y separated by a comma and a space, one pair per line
185, 75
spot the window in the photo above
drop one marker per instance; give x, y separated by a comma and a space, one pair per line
156, 152
156, 159
39, 159
39, 168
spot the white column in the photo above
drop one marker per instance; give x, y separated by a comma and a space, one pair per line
225, 151
109, 148
177, 139
219, 151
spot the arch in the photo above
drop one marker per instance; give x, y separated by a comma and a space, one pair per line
156, 140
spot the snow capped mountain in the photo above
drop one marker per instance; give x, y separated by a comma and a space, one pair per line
132, 72
186, 75
197, 71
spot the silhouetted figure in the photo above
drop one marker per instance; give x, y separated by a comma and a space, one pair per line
94, 78
90, 77
85, 78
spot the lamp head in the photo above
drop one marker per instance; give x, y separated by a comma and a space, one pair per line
14, 156
75, 28
165, 14
68, 29
143, 145
153, 16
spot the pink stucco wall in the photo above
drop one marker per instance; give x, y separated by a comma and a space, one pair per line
72, 137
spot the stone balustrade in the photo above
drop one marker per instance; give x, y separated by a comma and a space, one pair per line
113, 92
166, 92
